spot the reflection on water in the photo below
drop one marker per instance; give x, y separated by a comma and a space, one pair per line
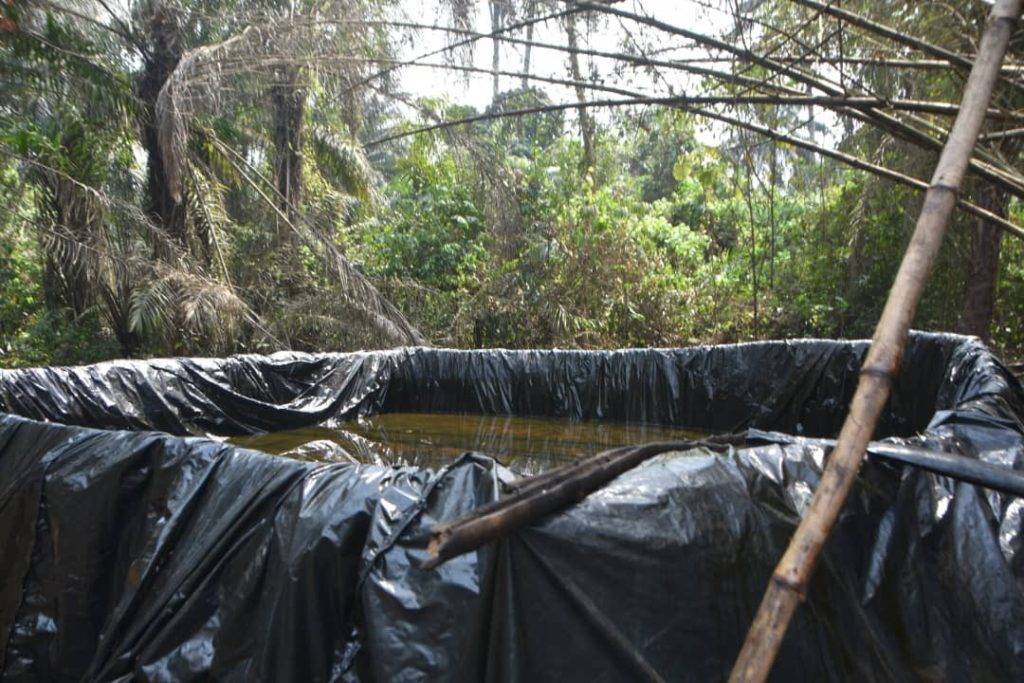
526, 444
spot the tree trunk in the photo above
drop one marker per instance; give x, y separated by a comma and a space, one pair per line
586, 121
527, 53
983, 268
289, 104
496, 17
165, 49
749, 197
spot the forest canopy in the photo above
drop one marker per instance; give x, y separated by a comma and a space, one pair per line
223, 176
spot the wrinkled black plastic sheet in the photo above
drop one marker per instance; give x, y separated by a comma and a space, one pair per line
128, 549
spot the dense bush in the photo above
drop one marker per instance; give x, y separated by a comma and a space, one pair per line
495, 234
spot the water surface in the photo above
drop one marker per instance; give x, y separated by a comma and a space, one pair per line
526, 444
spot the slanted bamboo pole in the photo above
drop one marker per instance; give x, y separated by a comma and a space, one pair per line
789, 582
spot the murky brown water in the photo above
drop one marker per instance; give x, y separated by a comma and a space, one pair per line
526, 444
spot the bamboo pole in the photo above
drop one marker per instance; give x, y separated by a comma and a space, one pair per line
789, 582
888, 62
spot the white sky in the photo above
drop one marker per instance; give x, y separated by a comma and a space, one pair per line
475, 89
612, 34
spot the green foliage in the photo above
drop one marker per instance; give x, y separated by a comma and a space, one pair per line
30, 334
1009, 316
20, 280
599, 267
432, 230
524, 135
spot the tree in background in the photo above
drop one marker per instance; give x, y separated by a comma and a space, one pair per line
227, 176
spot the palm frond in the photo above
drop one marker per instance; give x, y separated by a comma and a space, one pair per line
343, 159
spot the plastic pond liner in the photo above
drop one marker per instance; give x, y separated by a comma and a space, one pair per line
134, 545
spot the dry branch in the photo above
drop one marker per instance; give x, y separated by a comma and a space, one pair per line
792, 575
534, 497
548, 493
1005, 178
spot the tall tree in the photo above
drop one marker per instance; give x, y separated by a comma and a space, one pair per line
983, 267
498, 12
288, 100
531, 9
162, 32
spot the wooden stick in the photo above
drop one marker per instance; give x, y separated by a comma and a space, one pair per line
549, 493
789, 582
1002, 134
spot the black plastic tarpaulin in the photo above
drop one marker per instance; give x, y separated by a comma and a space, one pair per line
130, 549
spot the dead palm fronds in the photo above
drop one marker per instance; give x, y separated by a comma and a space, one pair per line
175, 306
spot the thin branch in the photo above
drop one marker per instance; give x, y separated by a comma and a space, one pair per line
634, 60
497, 33
693, 100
